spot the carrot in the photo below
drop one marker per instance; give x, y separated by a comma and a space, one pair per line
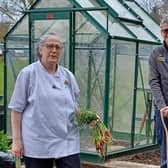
101, 135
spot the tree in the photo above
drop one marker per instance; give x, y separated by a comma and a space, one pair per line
153, 7
10, 12
164, 8
4, 27
150, 4
157, 8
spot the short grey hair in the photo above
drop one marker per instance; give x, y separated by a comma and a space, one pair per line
42, 40
164, 21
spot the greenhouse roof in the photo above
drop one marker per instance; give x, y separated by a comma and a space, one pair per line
123, 19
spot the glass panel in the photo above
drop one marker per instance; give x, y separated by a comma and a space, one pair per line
114, 28
53, 4
21, 28
84, 30
60, 27
17, 55
16, 60
144, 53
140, 32
144, 121
121, 92
14, 42
147, 20
90, 56
120, 9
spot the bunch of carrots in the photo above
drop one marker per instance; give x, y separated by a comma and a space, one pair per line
101, 135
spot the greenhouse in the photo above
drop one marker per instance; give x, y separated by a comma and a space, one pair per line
107, 44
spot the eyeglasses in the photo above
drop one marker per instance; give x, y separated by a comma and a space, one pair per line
52, 46
165, 31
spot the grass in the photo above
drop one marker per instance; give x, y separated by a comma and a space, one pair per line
18, 64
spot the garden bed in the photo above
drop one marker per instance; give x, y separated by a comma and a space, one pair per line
148, 159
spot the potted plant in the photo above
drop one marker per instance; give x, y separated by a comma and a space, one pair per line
6, 160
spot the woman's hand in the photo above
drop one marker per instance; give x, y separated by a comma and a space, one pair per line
16, 122
17, 148
94, 122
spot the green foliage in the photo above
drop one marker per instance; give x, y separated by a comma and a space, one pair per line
85, 117
4, 141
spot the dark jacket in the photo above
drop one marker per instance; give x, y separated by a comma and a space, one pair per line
158, 76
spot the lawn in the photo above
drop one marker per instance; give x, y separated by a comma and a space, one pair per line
17, 64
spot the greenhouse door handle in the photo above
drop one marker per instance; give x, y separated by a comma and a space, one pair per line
166, 132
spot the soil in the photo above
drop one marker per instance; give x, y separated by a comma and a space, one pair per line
150, 158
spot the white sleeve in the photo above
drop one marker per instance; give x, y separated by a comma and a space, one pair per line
19, 97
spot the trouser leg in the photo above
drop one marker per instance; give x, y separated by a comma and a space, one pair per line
161, 138
38, 163
72, 161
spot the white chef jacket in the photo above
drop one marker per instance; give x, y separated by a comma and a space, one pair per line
47, 101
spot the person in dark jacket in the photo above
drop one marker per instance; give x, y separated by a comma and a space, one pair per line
158, 81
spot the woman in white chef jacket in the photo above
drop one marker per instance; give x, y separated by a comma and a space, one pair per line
44, 98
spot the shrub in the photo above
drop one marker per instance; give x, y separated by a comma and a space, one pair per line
4, 141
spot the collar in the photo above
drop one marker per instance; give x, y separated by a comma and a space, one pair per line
56, 74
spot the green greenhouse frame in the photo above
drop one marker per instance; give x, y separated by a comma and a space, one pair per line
106, 45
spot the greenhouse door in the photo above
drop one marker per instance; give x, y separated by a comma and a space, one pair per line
44, 22
73, 25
